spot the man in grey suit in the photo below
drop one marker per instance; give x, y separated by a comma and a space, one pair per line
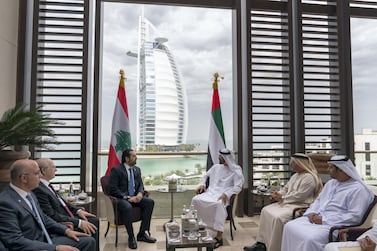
126, 185
57, 208
23, 225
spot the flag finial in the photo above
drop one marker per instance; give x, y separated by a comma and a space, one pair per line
122, 78
216, 80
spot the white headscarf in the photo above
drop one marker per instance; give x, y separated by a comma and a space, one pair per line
346, 165
231, 162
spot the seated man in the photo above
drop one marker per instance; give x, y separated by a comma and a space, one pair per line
57, 208
225, 179
366, 242
300, 191
125, 183
24, 226
342, 202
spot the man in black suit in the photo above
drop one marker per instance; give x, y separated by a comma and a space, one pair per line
125, 183
57, 208
24, 226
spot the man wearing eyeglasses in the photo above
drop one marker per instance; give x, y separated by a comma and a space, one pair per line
24, 226
59, 209
342, 202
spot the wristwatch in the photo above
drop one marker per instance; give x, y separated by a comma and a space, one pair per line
126, 197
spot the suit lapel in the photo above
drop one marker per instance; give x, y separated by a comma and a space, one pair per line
45, 188
21, 201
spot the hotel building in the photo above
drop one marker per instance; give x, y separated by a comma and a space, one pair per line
162, 109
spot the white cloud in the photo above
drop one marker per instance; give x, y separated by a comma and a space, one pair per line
364, 72
199, 38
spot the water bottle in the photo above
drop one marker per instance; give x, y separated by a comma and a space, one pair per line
71, 193
183, 216
192, 212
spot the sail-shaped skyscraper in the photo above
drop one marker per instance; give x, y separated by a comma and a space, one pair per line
162, 108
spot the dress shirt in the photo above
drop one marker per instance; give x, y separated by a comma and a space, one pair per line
22, 193
47, 184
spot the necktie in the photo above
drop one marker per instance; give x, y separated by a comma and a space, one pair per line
131, 183
41, 224
62, 202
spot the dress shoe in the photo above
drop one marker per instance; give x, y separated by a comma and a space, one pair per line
218, 243
132, 243
146, 238
259, 246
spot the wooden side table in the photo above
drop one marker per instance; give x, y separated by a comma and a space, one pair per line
260, 199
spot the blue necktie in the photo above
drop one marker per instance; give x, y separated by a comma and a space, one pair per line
131, 183
41, 224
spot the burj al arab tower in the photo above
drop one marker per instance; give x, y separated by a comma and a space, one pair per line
162, 108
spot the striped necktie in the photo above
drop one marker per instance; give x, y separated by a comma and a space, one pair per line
131, 183
36, 212
62, 202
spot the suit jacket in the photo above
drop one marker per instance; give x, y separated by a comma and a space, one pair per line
19, 226
118, 181
51, 206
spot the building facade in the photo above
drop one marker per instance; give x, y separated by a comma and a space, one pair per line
162, 109
365, 155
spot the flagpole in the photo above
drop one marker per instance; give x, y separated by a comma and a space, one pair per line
216, 140
120, 131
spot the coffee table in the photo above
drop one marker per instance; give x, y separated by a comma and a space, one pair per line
183, 242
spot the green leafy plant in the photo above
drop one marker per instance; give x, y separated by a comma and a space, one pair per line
20, 127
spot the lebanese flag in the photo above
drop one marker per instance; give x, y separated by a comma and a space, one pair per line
216, 130
120, 132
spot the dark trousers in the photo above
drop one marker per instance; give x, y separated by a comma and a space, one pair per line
95, 221
125, 208
84, 243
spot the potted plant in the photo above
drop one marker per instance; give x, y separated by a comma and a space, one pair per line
21, 128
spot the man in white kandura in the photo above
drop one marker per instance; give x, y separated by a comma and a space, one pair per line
225, 179
365, 242
342, 202
300, 191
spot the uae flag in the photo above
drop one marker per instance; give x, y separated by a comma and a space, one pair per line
216, 130
120, 132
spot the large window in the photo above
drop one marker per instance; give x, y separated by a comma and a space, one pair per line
364, 96
169, 60
291, 76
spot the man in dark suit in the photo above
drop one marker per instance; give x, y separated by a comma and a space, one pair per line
57, 208
125, 183
24, 226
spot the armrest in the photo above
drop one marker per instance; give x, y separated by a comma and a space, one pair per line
298, 212
146, 193
351, 233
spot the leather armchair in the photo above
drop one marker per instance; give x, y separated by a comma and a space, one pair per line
113, 215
